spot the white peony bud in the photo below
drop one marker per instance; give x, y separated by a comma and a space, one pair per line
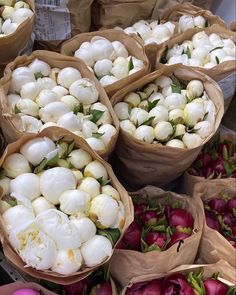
157, 96
20, 15
79, 158
176, 50
96, 250
21, 4
40, 68
163, 81
91, 186
40, 205
28, 107
129, 30
193, 113
8, 27
215, 40
199, 21
166, 91
86, 228
120, 49
102, 67
107, 80
53, 111
60, 91
180, 130
4, 206
7, 12
46, 96
203, 129
86, 55
84, 90
12, 99
192, 140
122, 110
26, 184
70, 101
163, 131
5, 185
144, 31
185, 22
96, 144
67, 76
161, 32
132, 98
194, 62
218, 54
88, 128
102, 49
160, 113
46, 83
16, 164
70, 122
128, 126
21, 76
119, 71
67, 262
30, 124
182, 59
175, 101
96, 169
138, 116
150, 89
176, 116
145, 133
111, 191
176, 143
195, 87
30, 90
107, 131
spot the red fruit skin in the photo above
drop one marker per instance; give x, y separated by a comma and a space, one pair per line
167, 211
156, 238
176, 284
134, 292
76, 288
218, 166
180, 217
148, 218
193, 172
207, 172
132, 237
228, 219
233, 175
215, 287
231, 204
234, 230
218, 205
139, 209
103, 288
177, 236
153, 288
212, 222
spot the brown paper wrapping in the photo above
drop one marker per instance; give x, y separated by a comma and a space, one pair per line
189, 181
11, 123
80, 21
226, 272
132, 43
12, 44
10, 288
220, 72
213, 245
55, 134
126, 264
140, 163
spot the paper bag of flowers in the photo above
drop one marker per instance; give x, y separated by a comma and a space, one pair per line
49, 89
165, 233
62, 208
114, 57
219, 234
165, 119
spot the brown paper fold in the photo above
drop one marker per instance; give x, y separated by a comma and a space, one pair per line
12, 44
132, 43
139, 163
10, 288
213, 245
55, 134
220, 71
127, 264
225, 270
189, 181
11, 123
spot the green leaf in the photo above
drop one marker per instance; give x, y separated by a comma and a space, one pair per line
232, 290
130, 64
188, 52
96, 115
153, 247
63, 148
112, 234
78, 109
142, 95
97, 134
148, 122
106, 272
159, 228
218, 47
10, 200
152, 104
53, 161
41, 166
70, 147
215, 275
206, 114
206, 23
151, 203
176, 86
103, 181
16, 110
139, 35
38, 75
217, 59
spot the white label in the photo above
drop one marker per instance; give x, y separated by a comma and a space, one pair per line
228, 85
52, 20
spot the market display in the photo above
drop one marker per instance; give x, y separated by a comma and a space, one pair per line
139, 88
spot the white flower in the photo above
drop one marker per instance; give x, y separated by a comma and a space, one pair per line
107, 131
187, 45
16, 164
28, 107
12, 99
157, 96
21, 4
163, 81
77, 174
195, 87
46, 96
191, 140
53, 111
70, 122
120, 49
144, 31
215, 39
111, 191
70, 101
170, 26
26, 184
145, 133
96, 169
132, 98
91, 186
30, 90
102, 49
60, 91
161, 32
199, 21
209, 65
120, 220
176, 50
128, 126
183, 59
102, 67
9, 27
138, 64
129, 30
21, 76
119, 71
35, 150
40, 68
203, 129
180, 130
194, 62
68, 76
176, 116
88, 128
106, 117
175, 143
166, 91
5, 185
150, 89
96, 144
201, 39
163, 131
16, 216
41, 204
79, 158
67, 262
20, 15
84, 90
218, 54
35, 248
193, 113
160, 113
175, 101
74, 201
185, 22
96, 250
4, 206
57, 226
21, 200
54, 181
46, 83
7, 12
107, 80
30, 124
86, 55
138, 116
86, 228
122, 110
